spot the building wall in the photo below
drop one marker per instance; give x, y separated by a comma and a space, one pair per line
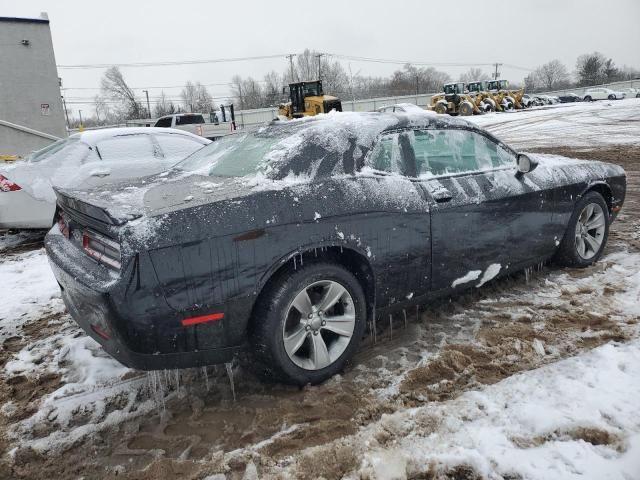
28, 80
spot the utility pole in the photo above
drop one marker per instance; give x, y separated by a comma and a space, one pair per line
497, 74
81, 128
148, 105
290, 57
319, 56
66, 112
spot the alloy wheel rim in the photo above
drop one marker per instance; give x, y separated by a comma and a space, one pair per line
590, 229
319, 325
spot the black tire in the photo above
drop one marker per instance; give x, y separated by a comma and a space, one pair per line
440, 108
612, 97
266, 336
567, 253
588, 98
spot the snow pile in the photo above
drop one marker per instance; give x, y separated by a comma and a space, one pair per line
604, 123
29, 291
576, 418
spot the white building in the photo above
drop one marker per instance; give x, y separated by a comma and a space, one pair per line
31, 112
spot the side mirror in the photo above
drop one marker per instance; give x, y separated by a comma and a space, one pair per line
526, 164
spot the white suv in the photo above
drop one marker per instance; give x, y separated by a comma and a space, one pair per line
602, 94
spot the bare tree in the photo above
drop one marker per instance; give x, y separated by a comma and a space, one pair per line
248, 93
102, 109
196, 98
164, 106
273, 84
189, 96
114, 86
474, 74
552, 75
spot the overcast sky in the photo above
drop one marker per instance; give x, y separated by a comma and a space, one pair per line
523, 33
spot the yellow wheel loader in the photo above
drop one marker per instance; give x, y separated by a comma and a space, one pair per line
481, 97
308, 99
506, 99
454, 101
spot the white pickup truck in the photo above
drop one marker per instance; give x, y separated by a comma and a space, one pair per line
194, 123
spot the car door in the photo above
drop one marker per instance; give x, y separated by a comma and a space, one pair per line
125, 156
485, 218
397, 220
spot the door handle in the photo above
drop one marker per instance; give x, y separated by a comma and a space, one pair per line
442, 195
100, 174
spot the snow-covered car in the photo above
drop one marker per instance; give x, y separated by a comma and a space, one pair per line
543, 99
401, 108
291, 238
602, 93
631, 92
569, 98
86, 160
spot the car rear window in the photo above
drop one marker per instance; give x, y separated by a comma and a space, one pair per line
189, 119
60, 150
233, 156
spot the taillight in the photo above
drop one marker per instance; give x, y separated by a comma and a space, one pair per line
62, 225
7, 185
199, 129
103, 249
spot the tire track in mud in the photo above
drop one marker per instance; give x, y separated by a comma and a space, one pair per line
451, 348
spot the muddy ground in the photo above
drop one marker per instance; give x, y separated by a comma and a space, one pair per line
430, 354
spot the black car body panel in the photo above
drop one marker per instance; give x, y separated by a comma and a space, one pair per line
195, 246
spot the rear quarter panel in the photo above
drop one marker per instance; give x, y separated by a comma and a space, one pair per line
224, 253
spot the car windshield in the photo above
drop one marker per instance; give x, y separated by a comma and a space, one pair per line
62, 148
232, 156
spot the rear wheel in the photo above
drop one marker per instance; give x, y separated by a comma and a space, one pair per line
612, 97
587, 233
588, 98
308, 324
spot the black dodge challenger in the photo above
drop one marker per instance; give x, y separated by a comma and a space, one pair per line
289, 239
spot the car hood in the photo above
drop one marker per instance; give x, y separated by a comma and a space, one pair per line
573, 169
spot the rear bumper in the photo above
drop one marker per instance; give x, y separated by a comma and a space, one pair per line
93, 307
21, 210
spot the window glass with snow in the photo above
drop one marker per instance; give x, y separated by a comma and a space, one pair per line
441, 152
177, 147
385, 156
127, 148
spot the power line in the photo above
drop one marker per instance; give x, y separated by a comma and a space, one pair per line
86, 66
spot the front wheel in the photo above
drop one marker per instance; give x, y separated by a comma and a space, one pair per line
308, 324
588, 98
612, 97
587, 233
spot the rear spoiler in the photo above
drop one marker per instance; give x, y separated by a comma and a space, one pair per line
66, 201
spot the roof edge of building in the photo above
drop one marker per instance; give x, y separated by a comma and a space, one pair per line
24, 20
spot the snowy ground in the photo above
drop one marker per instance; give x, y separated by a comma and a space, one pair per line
533, 376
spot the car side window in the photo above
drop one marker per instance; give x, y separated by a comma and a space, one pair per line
441, 152
491, 154
164, 122
385, 156
127, 148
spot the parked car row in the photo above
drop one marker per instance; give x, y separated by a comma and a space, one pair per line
287, 240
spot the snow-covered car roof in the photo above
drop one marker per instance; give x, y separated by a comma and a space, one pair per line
91, 137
